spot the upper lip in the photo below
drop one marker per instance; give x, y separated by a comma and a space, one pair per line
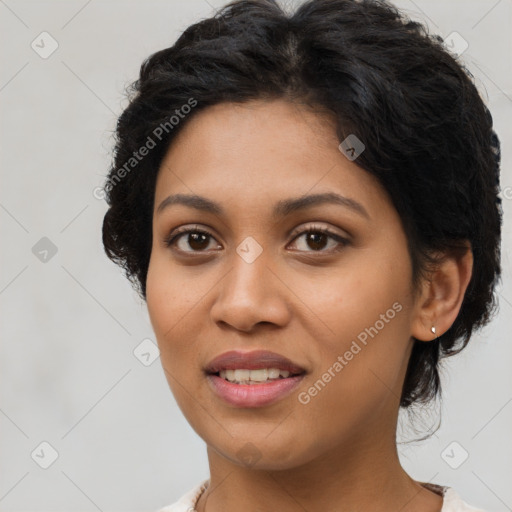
255, 360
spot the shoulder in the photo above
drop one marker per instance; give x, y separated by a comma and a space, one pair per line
187, 501
452, 502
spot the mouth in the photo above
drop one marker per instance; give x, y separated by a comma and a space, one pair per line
252, 367
253, 379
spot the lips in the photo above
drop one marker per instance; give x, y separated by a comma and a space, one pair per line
255, 360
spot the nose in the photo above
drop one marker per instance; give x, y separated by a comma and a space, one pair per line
251, 294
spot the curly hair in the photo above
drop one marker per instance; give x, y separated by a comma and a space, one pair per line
428, 136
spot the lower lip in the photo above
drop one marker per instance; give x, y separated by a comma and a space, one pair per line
253, 395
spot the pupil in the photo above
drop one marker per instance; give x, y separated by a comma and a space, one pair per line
195, 242
316, 238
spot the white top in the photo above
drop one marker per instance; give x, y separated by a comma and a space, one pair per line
452, 502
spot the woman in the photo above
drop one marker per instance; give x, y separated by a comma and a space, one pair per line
308, 203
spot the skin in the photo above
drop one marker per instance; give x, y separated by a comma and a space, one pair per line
304, 298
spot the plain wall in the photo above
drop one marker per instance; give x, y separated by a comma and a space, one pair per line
69, 327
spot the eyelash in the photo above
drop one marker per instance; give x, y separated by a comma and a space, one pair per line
173, 238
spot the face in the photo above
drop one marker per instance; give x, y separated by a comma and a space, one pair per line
255, 265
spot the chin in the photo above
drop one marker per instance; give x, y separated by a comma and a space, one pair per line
263, 453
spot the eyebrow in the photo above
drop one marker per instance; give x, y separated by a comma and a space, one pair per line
281, 209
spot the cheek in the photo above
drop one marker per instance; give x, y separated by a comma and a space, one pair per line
363, 317
172, 292
363, 291
170, 303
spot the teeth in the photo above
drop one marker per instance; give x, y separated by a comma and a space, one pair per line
241, 375
253, 376
273, 373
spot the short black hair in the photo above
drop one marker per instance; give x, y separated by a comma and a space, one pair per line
428, 135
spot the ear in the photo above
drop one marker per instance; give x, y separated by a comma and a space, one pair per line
442, 294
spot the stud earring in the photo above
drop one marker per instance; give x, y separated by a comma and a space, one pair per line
433, 329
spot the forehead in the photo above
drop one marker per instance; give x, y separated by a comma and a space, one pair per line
258, 152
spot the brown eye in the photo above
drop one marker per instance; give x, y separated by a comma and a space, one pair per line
317, 240
190, 240
197, 241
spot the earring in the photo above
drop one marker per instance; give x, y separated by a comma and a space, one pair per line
433, 329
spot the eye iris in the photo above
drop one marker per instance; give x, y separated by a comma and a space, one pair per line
316, 238
198, 241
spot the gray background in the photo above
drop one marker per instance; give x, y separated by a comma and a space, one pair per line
70, 324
